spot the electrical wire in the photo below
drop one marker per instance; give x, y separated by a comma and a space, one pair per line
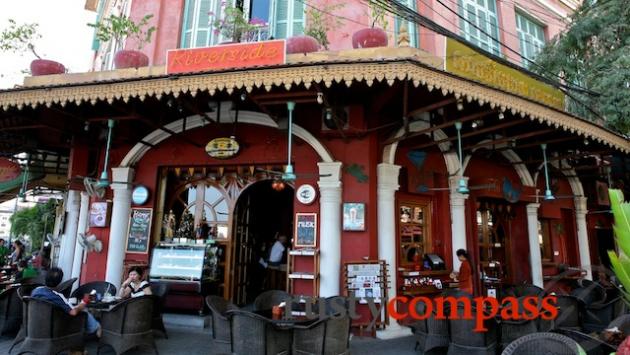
409, 14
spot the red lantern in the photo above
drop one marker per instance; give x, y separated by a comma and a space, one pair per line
277, 185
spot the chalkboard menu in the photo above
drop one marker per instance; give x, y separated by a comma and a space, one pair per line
305, 230
139, 232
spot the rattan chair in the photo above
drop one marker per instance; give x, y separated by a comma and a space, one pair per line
570, 310
465, 341
268, 299
337, 337
22, 291
543, 343
221, 329
525, 290
66, 287
512, 329
591, 345
589, 293
49, 329
622, 323
128, 325
598, 315
253, 334
100, 287
159, 291
10, 311
309, 339
430, 333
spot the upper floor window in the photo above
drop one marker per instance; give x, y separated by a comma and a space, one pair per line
531, 37
288, 18
412, 28
483, 14
197, 30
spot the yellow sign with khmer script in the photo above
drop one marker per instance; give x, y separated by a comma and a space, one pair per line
466, 62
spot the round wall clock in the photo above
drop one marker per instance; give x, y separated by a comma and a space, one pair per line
306, 194
139, 195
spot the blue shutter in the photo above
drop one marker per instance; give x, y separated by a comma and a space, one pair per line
96, 44
281, 19
298, 18
187, 24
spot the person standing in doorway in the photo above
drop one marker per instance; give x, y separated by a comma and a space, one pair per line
277, 256
464, 276
276, 270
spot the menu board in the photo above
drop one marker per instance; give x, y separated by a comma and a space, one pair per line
305, 230
139, 232
365, 280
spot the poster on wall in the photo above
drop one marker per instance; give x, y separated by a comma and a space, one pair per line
354, 216
305, 230
365, 281
100, 214
139, 232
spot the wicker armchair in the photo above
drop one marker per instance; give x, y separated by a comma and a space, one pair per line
221, 330
100, 287
256, 335
599, 314
525, 290
128, 325
65, 287
337, 337
159, 291
592, 345
22, 291
430, 333
590, 292
463, 340
49, 329
543, 343
10, 311
309, 339
570, 309
622, 322
511, 330
268, 299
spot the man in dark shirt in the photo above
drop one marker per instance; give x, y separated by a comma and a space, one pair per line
53, 278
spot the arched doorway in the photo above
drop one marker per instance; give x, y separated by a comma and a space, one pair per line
262, 212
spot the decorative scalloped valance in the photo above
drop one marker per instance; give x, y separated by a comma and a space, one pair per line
296, 74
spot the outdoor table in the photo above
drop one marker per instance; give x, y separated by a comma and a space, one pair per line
285, 322
97, 308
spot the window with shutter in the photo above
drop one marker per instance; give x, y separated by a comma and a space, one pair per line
288, 18
197, 31
412, 28
483, 14
531, 37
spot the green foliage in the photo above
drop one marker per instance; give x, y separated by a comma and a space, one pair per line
122, 27
378, 14
621, 263
233, 25
31, 221
19, 38
595, 53
321, 21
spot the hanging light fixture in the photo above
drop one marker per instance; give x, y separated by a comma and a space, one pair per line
462, 185
548, 195
277, 185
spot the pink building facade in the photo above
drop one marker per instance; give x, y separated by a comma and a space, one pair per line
518, 28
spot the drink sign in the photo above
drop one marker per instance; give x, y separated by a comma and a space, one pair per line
139, 232
305, 230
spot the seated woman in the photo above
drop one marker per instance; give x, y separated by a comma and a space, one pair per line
134, 286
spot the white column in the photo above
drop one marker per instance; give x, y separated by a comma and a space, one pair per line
69, 239
535, 260
121, 210
330, 228
387, 185
83, 224
458, 218
582, 234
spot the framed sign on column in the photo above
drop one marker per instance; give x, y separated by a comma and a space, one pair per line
139, 231
305, 230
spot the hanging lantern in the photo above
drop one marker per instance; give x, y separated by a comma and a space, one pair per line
277, 185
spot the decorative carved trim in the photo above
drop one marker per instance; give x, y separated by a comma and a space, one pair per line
370, 72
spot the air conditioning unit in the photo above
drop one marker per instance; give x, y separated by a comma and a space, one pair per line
335, 118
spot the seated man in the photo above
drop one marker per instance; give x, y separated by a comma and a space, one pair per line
53, 278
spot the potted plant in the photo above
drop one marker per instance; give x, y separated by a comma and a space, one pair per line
373, 36
120, 28
319, 22
234, 26
19, 38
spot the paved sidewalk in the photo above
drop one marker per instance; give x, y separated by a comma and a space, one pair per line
192, 341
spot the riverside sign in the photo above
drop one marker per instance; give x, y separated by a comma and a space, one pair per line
226, 56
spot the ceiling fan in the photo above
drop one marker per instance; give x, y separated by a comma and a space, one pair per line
289, 175
549, 196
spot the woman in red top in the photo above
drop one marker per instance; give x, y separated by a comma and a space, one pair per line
464, 276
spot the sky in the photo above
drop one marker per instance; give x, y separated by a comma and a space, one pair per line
66, 38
